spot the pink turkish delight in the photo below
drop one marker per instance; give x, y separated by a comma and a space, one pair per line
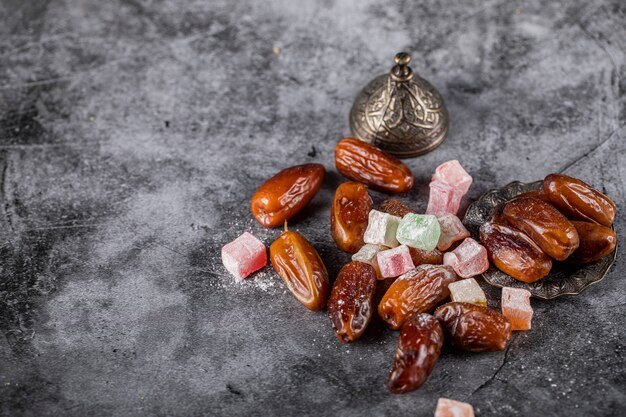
443, 199
468, 259
244, 255
452, 408
453, 174
516, 307
452, 230
394, 262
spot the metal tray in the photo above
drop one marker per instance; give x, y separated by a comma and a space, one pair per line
564, 278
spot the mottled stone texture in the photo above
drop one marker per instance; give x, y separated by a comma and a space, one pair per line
133, 133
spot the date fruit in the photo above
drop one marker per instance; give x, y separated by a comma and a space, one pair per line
419, 346
362, 162
474, 328
350, 304
596, 241
417, 291
578, 200
349, 215
544, 224
301, 268
286, 194
514, 253
395, 207
426, 257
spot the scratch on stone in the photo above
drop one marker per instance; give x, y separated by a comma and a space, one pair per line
497, 371
590, 151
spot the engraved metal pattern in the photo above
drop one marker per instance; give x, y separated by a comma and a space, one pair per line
563, 279
400, 112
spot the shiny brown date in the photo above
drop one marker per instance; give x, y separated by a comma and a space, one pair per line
362, 162
418, 291
419, 346
514, 253
349, 215
596, 241
426, 257
578, 200
301, 268
350, 304
286, 194
544, 224
473, 328
395, 207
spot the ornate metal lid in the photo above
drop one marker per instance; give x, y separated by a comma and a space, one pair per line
400, 112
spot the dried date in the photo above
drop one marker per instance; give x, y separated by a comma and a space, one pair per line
419, 346
349, 215
286, 194
365, 163
578, 200
417, 291
544, 224
473, 328
395, 207
596, 241
514, 253
301, 268
350, 304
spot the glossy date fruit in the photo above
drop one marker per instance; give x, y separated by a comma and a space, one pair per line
349, 215
301, 268
578, 200
514, 253
419, 346
596, 241
395, 207
362, 162
350, 304
286, 194
544, 224
417, 291
474, 328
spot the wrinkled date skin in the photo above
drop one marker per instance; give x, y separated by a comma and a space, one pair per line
301, 268
514, 253
362, 162
350, 304
596, 241
474, 328
544, 224
395, 207
419, 346
426, 257
286, 194
349, 215
578, 200
418, 291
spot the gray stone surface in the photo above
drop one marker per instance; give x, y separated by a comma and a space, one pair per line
133, 133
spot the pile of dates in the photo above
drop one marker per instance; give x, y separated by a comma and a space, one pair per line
566, 220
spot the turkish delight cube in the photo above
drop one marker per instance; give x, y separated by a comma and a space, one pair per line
443, 199
453, 174
381, 229
516, 307
452, 230
452, 408
467, 291
468, 259
420, 231
244, 255
394, 262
